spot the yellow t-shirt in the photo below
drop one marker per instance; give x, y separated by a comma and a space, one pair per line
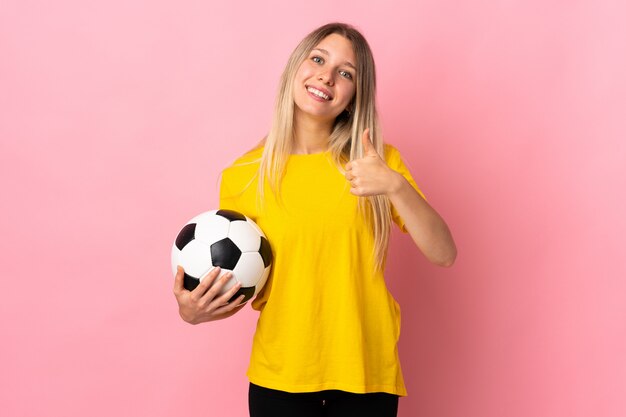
327, 320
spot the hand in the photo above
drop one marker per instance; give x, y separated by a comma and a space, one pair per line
204, 303
370, 175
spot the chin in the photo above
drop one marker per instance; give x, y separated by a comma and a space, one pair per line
315, 113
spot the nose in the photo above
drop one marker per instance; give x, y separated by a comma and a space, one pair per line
326, 78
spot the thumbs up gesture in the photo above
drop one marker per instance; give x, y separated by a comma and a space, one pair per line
370, 175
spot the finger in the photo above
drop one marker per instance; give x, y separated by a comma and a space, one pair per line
234, 300
357, 188
233, 306
239, 304
348, 166
213, 292
205, 283
228, 294
179, 280
368, 147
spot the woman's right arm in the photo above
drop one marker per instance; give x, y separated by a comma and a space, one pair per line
203, 303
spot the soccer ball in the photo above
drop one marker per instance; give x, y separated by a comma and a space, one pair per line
227, 239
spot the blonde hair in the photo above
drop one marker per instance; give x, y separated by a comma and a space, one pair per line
344, 142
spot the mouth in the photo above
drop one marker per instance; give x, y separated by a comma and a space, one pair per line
323, 94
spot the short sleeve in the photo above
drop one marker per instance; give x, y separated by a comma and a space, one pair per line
395, 162
238, 185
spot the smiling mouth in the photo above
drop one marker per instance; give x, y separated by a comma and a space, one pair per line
318, 93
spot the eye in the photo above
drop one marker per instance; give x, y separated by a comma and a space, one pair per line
317, 59
345, 74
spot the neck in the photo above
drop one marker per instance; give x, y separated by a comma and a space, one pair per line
311, 134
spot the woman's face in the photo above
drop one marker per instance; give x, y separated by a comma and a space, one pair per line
324, 84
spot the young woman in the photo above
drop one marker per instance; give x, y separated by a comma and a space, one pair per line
325, 189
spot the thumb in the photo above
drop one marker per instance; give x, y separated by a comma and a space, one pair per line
179, 279
368, 147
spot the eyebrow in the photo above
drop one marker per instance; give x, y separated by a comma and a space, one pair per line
324, 51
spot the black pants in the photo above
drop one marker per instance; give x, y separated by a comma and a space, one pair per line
265, 402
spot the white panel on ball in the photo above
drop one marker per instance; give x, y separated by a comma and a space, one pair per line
249, 268
196, 258
210, 228
261, 283
256, 226
244, 236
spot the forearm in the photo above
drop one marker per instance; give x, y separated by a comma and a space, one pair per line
427, 229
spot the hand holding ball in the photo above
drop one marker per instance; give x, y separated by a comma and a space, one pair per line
225, 239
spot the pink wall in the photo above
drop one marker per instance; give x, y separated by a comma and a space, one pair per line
117, 117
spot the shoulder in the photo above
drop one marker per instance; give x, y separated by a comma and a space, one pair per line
392, 154
389, 148
250, 157
243, 168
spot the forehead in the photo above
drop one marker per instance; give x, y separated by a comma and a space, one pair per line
338, 47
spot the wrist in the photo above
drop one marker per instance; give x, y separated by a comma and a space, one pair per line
395, 184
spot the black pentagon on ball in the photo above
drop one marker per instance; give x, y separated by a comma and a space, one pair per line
225, 254
231, 215
185, 235
190, 283
266, 252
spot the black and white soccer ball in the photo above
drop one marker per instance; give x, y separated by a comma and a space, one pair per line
230, 240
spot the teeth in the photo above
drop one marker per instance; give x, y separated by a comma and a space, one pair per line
318, 93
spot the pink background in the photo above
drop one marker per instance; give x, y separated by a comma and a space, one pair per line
116, 118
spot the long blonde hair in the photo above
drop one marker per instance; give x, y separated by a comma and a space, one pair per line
345, 138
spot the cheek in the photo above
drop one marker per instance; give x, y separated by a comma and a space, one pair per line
303, 72
350, 92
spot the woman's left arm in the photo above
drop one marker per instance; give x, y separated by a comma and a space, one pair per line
370, 175
426, 227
